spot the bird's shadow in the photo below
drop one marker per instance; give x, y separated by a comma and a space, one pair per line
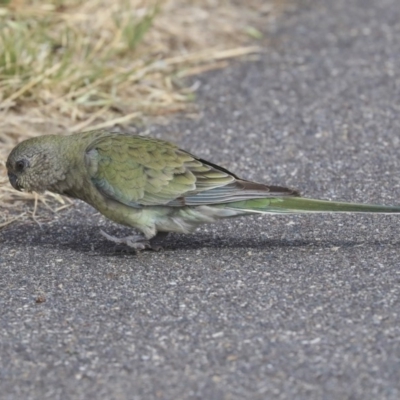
87, 239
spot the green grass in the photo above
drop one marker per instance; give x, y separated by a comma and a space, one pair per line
53, 49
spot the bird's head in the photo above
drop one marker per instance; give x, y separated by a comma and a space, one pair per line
32, 164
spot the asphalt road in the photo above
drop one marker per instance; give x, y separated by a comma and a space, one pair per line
274, 307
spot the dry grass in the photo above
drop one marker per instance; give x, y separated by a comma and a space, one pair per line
67, 65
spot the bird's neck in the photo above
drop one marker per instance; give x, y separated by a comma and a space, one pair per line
71, 150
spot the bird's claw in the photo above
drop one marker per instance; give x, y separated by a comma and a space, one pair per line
136, 242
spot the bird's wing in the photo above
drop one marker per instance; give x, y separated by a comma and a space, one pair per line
139, 171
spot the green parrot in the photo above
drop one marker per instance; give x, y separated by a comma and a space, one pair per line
150, 184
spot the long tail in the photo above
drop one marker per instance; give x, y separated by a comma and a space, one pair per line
295, 205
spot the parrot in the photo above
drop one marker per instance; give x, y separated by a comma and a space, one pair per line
151, 185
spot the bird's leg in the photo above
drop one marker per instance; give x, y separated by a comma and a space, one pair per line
139, 242
157, 241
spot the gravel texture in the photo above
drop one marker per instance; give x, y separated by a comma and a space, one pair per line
273, 307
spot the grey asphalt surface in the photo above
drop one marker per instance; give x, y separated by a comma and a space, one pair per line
272, 307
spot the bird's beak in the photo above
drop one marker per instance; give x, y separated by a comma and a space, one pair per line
14, 181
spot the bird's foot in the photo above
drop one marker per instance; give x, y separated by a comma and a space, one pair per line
138, 242
156, 241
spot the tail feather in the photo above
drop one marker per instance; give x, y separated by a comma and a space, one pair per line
295, 205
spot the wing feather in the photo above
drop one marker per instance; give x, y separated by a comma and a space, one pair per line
140, 171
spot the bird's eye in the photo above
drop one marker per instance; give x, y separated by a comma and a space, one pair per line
20, 165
